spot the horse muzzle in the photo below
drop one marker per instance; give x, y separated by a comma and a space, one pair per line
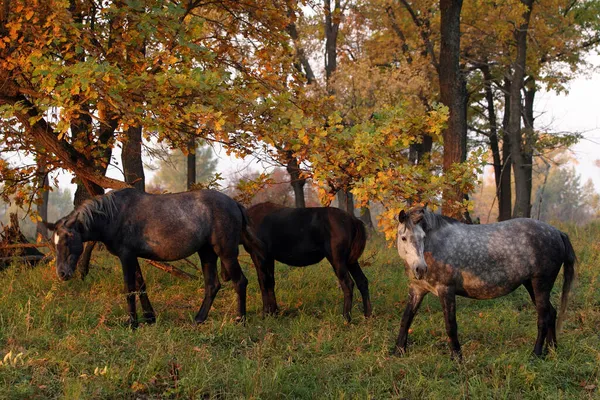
64, 275
420, 270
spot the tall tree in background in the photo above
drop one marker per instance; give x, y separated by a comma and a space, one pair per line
173, 170
521, 147
453, 93
42, 206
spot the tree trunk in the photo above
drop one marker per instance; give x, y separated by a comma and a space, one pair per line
350, 203
519, 158
501, 169
346, 201
191, 164
505, 193
332, 24
528, 133
453, 94
293, 169
418, 151
365, 217
302, 59
342, 200
42, 208
296, 181
131, 158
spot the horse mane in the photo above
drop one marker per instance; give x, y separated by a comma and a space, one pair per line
431, 221
103, 206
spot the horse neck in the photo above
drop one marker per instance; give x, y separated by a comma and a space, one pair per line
94, 232
435, 222
96, 227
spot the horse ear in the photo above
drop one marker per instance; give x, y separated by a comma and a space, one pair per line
402, 216
417, 215
51, 226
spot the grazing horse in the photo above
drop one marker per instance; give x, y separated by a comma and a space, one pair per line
160, 227
304, 236
449, 258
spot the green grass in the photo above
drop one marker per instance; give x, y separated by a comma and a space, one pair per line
74, 342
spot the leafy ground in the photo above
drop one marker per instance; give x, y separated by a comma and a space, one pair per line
69, 340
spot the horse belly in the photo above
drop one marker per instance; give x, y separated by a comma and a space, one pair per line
484, 287
298, 257
297, 251
172, 246
483, 291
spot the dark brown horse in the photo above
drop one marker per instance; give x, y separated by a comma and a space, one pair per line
448, 258
163, 227
304, 236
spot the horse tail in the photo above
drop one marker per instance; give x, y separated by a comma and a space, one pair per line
569, 278
250, 240
359, 240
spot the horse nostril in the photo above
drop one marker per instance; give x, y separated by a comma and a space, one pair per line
421, 270
64, 275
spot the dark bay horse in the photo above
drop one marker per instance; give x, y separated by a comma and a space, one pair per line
449, 258
304, 236
163, 227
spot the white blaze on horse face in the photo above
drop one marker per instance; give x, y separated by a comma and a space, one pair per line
55, 238
410, 245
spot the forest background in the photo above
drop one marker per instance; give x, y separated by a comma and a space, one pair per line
371, 105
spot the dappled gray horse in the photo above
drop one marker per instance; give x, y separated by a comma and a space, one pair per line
448, 258
160, 227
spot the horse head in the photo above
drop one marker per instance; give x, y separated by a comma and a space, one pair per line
69, 246
411, 240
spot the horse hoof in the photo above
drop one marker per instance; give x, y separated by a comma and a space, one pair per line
270, 311
150, 319
240, 320
540, 355
199, 319
399, 352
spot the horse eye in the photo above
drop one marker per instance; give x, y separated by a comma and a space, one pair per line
404, 238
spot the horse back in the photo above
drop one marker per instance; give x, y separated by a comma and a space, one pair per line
174, 226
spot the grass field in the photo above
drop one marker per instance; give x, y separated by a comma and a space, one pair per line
69, 340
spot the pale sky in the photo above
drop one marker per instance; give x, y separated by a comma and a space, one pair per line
577, 111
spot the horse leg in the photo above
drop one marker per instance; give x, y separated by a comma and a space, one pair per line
546, 317
363, 286
208, 259
551, 337
224, 275
128, 264
415, 297
149, 315
265, 269
528, 285
232, 266
448, 301
347, 284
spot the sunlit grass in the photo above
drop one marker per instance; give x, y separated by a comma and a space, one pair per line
75, 344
